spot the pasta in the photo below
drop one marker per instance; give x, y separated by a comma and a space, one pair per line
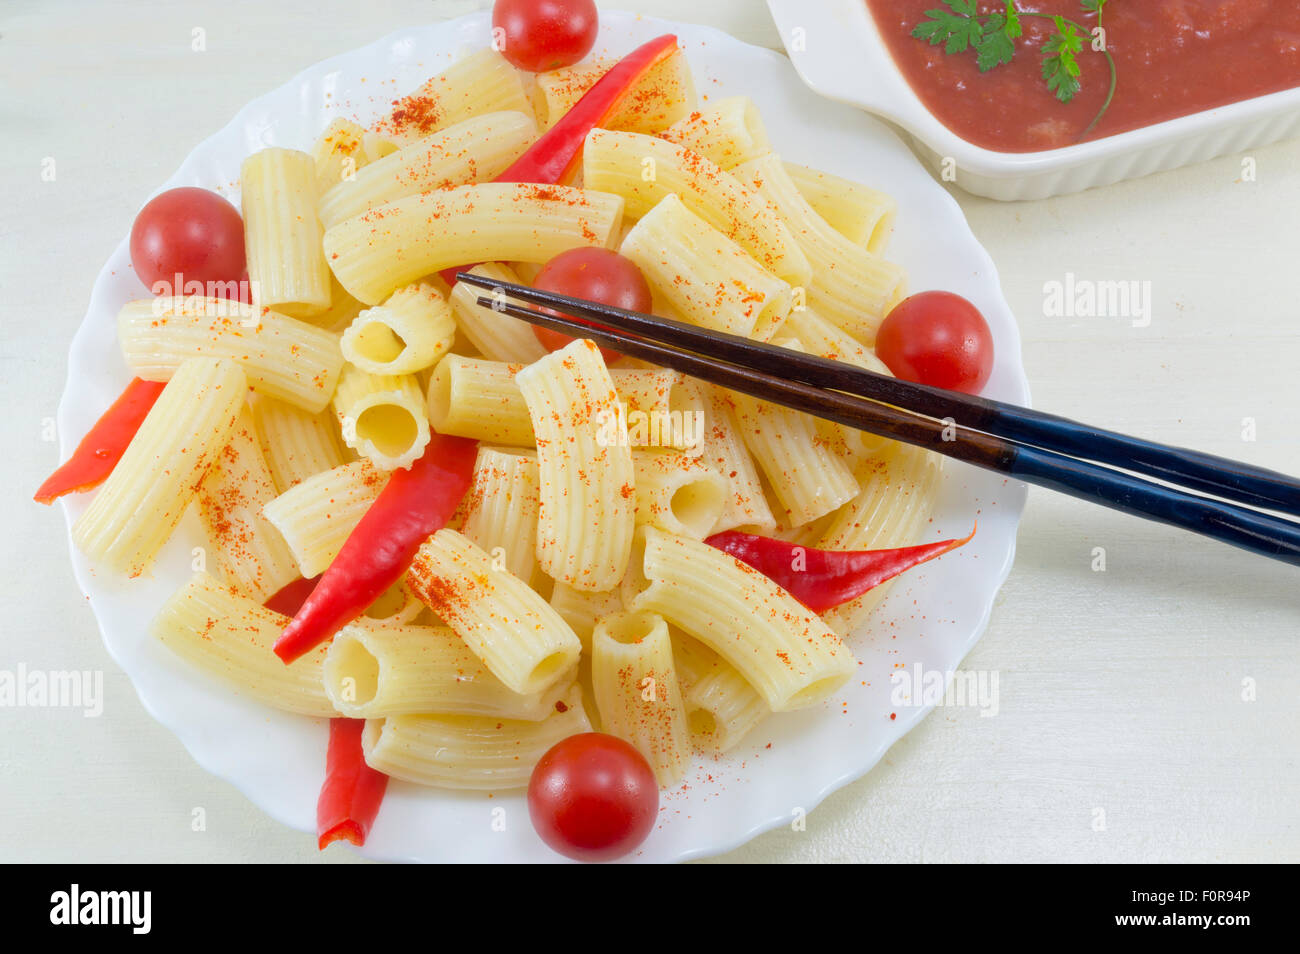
505, 622
250, 554
706, 277
572, 585
586, 492
282, 357
483, 753
295, 444
661, 98
395, 244
637, 691
502, 509
338, 154
789, 447
497, 336
849, 285
721, 706
375, 671
146, 495
472, 397
784, 651
678, 493
407, 333
644, 170
230, 636
475, 150
382, 417
727, 133
282, 235
316, 516
477, 84
862, 215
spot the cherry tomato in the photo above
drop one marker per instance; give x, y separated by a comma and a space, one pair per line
596, 274
541, 35
937, 338
191, 232
593, 797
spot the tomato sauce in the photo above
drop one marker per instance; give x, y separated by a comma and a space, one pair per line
1172, 57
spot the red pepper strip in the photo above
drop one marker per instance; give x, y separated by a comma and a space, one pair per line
413, 504
289, 598
101, 449
349, 799
822, 579
551, 160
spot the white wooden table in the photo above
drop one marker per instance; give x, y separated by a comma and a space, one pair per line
1123, 734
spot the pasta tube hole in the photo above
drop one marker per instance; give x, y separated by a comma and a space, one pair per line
356, 674
545, 671
702, 724
389, 428
378, 342
697, 505
630, 628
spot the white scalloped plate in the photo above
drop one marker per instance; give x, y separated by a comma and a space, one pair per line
933, 617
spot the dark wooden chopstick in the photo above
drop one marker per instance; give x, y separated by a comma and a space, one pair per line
1219, 476
1251, 530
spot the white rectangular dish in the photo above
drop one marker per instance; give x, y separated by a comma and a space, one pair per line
839, 53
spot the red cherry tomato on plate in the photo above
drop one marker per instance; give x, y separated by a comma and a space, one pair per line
937, 338
593, 797
541, 35
596, 274
189, 232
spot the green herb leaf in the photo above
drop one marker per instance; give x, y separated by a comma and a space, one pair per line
1060, 67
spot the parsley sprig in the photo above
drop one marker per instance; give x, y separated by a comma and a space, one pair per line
993, 37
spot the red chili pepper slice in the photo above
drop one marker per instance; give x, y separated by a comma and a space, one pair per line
289, 598
413, 504
104, 445
551, 160
823, 579
350, 798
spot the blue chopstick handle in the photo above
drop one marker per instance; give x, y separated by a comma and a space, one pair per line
1247, 529
1246, 483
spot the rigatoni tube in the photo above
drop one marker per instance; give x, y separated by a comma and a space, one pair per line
395, 244
144, 498
516, 633
250, 553
316, 516
781, 648
373, 671
644, 170
476, 753
230, 637
637, 691
476, 150
282, 357
708, 278
407, 333
282, 235
382, 417
587, 493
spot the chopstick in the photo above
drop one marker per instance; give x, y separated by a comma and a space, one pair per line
1219, 476
795, 380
